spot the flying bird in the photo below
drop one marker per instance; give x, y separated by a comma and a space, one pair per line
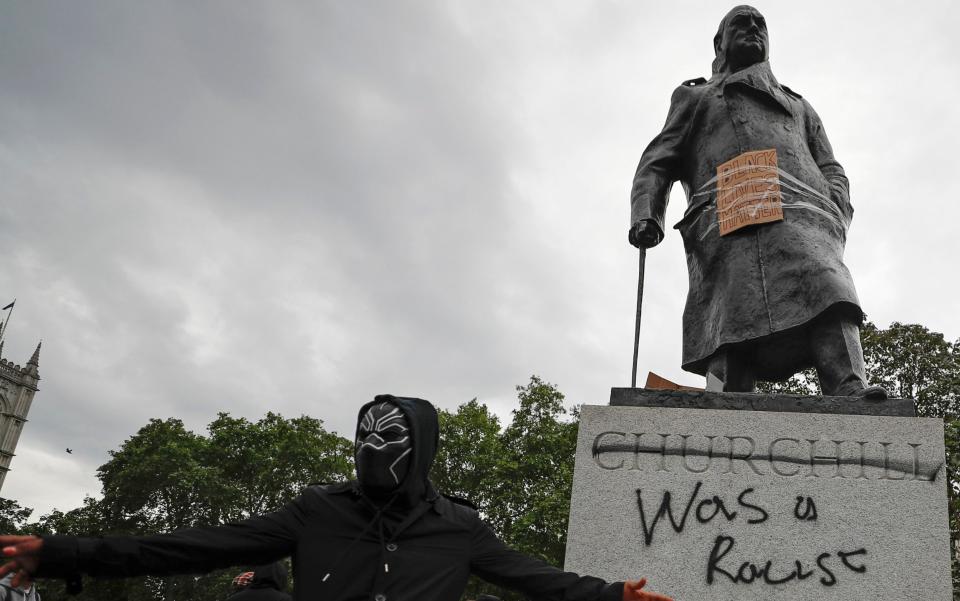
69, 450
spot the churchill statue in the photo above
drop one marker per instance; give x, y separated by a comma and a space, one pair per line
768, 207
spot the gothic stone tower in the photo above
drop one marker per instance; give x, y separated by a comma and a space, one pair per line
17, 387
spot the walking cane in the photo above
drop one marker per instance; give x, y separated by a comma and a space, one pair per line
636, 331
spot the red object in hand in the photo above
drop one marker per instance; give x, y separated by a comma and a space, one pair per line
632, 592
243, 580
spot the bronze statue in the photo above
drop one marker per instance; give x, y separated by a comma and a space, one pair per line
771, 297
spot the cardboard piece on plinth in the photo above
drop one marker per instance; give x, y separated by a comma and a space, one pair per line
658, 382
760, 506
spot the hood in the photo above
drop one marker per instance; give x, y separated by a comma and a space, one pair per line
719, 48
425, 432
272, 575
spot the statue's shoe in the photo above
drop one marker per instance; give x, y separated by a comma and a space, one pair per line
872, 393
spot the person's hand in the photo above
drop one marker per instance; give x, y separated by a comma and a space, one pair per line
632, 592
243, 580
23, 558
644, 233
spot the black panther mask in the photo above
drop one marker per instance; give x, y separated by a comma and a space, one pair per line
383, 449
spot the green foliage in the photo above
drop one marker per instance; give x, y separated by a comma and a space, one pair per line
536, 474
86, 519
912, 362
804, 383
265, 464
13, 516
468, 455
159, 480
166, 477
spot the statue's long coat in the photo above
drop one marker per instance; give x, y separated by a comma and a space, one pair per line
761, 280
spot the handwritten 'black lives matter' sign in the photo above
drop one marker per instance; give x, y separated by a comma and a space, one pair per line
748, 191
741, 505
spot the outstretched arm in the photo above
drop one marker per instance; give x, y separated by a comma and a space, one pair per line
495, 562
260, 539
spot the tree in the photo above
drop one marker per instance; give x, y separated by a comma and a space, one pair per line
166, 477
265, 464
469, 452
535, 474
804, 383
13, 516
160, 480
912, 362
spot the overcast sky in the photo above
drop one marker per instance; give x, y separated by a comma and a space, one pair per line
249, 206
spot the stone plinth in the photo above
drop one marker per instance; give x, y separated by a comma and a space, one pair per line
724, 505
787, 403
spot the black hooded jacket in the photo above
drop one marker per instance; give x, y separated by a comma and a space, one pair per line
267, 584
418, 546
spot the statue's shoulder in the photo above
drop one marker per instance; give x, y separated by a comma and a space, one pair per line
791, 92
689, 91
692, 83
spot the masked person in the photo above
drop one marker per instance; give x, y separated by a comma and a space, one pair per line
388, 536
768, 300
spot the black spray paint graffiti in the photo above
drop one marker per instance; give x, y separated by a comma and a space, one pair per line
809, 512
702, 509
749, 572
706, 510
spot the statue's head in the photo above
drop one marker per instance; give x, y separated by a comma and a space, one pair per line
741, 40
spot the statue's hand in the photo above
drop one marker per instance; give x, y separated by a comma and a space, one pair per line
23, 557
632, 592
645, 234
